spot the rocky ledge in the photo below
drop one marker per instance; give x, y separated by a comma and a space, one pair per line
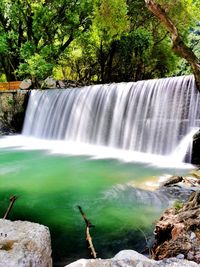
178, 231
24, 244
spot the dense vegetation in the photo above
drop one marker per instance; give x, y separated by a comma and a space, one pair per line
93, 40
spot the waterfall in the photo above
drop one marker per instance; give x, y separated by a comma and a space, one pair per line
150, 116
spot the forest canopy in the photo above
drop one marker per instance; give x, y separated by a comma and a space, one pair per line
93, 40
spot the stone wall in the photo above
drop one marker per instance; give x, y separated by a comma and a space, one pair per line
12, 110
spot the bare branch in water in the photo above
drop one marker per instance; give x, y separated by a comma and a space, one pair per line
12, 200
88, 236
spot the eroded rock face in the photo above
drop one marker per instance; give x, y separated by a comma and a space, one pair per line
131, 258
24, 244
178, 231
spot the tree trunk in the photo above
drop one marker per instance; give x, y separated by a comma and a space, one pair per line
108, 74
179, 47
102, 62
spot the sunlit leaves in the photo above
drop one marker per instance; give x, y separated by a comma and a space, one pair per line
42, 28
35, 66
112, 18
183, 13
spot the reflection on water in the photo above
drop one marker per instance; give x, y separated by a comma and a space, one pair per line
50, 186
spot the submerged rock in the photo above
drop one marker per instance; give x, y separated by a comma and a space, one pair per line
24, 244
180, 188
131, 258
173, 180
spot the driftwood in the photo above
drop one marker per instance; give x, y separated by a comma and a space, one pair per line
88, 236
12, 200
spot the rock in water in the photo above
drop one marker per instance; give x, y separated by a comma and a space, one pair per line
179, 188
173, 180
131, 258
24, 244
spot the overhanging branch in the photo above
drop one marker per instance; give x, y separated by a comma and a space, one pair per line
179, 47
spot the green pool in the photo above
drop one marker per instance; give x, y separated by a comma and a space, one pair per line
49, 187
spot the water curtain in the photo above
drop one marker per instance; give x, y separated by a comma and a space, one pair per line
150, 116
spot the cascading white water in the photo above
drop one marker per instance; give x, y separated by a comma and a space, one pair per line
146, 116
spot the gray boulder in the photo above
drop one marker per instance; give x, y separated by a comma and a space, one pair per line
49, 83
24, 244
25, 84
131, 258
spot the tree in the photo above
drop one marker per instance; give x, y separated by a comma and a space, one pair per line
179, 45
134, 53
35, 32
131, 48
96, 47
111, 23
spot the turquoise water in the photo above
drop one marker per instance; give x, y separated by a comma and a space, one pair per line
49, 188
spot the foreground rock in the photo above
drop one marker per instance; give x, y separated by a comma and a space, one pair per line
178, 231
131, 258
24, 244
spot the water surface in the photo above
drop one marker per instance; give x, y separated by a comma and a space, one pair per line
50, 186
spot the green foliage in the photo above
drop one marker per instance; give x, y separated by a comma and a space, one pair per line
183, 68
178, 205
10, 101
184, 13
162, 61
112, 19
35, 66
3, 78
92, 40
3, 44
44, 28
138, 42
27, 50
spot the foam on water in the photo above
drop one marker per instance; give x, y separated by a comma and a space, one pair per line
93, 151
